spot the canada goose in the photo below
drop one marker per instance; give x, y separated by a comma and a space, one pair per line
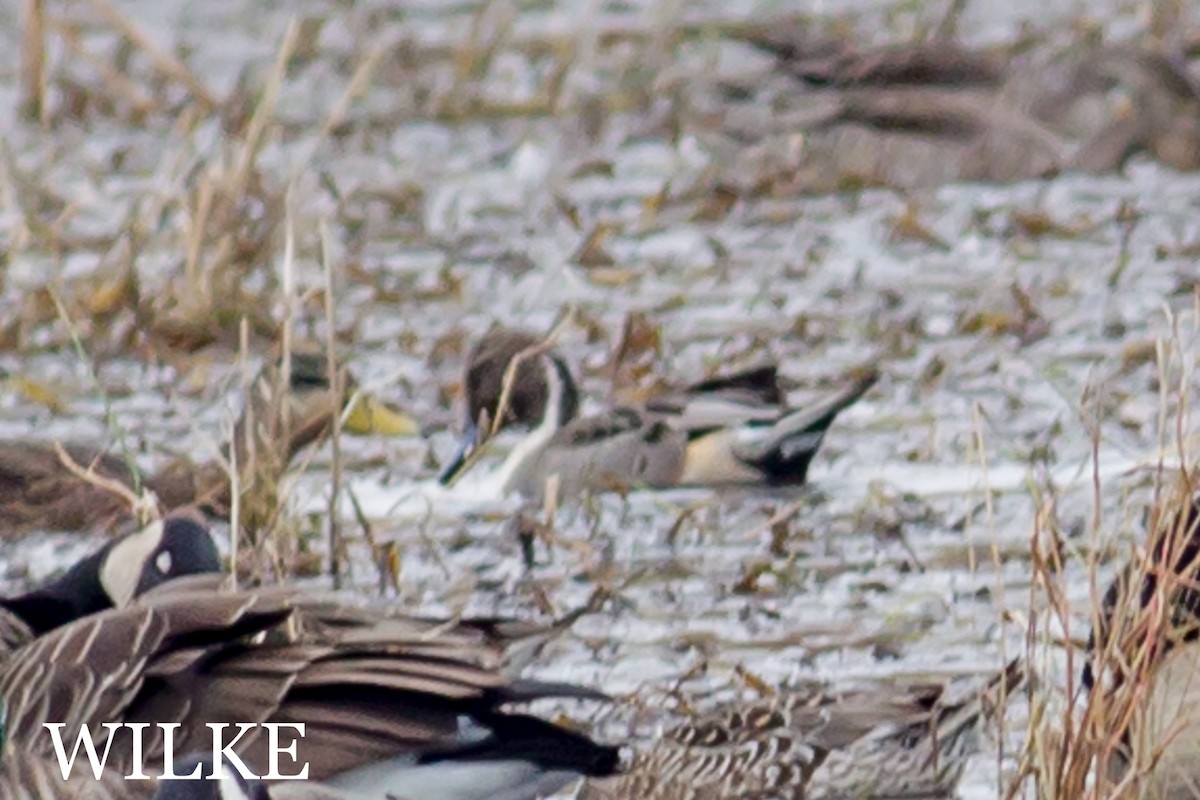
899, 743
721, 432
393, 706
111, 577
37, 492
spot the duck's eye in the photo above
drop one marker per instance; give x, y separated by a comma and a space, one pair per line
163, 562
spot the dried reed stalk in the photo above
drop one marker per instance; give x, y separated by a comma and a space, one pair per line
163, 61
337, 382
1079, 746
33, 60
220, 190
142, 507
118, 85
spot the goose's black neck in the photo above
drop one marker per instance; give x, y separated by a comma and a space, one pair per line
76, 594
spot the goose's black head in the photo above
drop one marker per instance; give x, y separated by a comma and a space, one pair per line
178, 545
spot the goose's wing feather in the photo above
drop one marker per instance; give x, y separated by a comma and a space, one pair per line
76, 675
14, 633
29, 777
366, 687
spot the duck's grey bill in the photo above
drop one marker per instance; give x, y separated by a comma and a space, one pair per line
466, 446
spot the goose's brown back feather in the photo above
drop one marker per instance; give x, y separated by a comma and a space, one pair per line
365, 689
27, 777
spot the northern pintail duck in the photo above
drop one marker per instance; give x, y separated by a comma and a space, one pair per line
37, 492
111, 577
393, 706
900, 743
723, 431
1143, 667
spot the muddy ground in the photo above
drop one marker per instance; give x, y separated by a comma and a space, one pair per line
504, 163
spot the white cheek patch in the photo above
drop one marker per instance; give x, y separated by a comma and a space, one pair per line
122, 569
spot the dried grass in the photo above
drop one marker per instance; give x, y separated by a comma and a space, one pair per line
1076, 739
220, 209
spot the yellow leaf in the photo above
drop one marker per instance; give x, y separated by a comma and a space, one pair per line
39, 393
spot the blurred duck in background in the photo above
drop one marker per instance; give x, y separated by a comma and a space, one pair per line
38, 492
